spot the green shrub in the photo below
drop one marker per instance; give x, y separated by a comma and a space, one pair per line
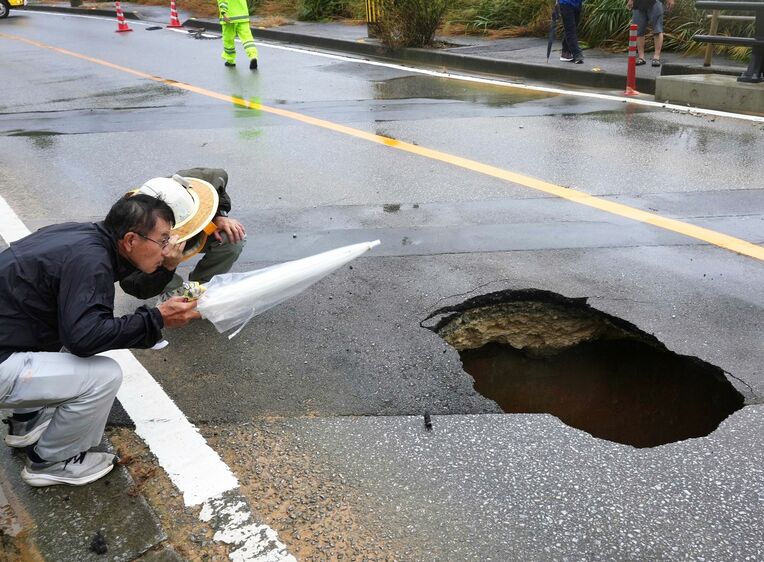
317, 10
410, 23
605, 23
502, 14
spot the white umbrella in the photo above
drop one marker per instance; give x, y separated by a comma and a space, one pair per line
232, 299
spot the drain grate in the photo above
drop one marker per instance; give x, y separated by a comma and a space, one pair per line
538, 352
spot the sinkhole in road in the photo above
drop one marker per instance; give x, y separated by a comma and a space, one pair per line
534, 351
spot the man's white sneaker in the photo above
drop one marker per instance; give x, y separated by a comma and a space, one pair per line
83, 468
25, 433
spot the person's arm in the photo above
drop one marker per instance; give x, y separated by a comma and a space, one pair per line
146, 285
232, 228
86, 321
223, 9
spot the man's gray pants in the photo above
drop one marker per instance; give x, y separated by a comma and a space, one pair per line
82, 389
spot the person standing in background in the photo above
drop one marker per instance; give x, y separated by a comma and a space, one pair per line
234, 20
570, 12
650, 12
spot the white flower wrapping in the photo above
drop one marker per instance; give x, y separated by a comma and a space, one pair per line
233, 299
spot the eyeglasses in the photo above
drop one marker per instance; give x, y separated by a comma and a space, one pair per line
162, 244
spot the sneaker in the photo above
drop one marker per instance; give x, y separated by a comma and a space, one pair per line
565, 56
230, 63
578, 59
83, 468
253, 64
25, 433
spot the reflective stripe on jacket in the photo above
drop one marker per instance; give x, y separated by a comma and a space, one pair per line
236, 10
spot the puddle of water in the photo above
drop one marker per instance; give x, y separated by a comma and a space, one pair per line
624, 390
428, 87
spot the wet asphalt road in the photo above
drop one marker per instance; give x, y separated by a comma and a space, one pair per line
74, 135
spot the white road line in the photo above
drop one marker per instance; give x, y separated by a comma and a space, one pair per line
11, 227
191, 464
194, 468
480, 80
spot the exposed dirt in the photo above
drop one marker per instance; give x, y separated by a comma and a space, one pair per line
316, 512
190, 537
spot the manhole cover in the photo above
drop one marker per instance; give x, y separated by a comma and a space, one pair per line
538, 352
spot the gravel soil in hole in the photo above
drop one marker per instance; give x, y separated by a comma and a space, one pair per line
533, 351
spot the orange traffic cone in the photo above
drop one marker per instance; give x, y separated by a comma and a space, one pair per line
121, 23
174, 21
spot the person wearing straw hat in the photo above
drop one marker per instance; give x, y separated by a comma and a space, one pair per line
201, 204
57, 291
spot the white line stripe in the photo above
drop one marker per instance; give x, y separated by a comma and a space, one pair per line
510, 84
191, 464
195, 469
479, 80
11, 227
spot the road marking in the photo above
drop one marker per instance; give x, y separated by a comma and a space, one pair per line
468, 78
718, 239
522, 86
194, 468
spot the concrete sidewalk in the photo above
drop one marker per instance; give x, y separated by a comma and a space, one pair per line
521, 58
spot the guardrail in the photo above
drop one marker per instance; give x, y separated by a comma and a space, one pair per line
755, 71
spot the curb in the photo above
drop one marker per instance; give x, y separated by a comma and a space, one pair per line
443, 60
450, 61
88, 11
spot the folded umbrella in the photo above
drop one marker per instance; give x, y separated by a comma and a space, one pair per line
233, 299
552, 29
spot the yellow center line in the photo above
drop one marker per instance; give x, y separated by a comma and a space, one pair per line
704, 234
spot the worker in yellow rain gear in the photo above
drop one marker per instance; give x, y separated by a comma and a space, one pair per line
234, 19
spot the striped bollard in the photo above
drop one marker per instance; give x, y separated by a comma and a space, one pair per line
631, 73
174, 21
372, 18
121, 23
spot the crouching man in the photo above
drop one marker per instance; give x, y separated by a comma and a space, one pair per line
57, 290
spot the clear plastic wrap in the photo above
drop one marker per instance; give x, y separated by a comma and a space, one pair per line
233, 299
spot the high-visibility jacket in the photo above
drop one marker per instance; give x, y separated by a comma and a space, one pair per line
236, 10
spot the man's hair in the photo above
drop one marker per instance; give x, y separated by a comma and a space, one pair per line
137, 213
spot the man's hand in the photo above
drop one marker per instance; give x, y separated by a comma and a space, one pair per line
178, 311
233, 229
669, 4
173, 253
629, 4
226, 18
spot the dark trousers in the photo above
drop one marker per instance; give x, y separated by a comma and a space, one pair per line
570, 16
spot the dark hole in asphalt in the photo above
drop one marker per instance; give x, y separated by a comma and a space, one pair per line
538, 352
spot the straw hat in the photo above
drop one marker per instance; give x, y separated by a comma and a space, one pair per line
194, 203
